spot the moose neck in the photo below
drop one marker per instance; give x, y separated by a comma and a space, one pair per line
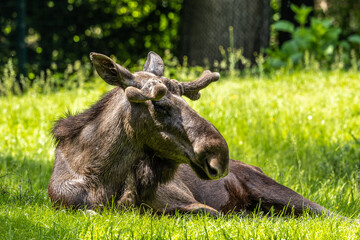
100, 141
150, 172
101, 144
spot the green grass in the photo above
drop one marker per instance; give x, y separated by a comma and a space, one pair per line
301, 129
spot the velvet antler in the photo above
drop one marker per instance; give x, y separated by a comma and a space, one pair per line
152, 90
191, 89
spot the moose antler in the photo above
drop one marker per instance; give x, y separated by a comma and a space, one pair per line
191, 89
152, 90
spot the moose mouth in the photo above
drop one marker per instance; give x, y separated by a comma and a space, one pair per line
206, 172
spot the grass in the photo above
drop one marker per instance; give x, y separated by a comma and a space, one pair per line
302, 129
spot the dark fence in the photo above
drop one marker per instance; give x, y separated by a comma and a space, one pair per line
49, 34
41, 34
52, 34
12, 34
205, 27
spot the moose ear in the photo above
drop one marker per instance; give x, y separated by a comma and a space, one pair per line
154, 64
111, 72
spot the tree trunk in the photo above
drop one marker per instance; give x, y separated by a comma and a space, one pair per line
205, 26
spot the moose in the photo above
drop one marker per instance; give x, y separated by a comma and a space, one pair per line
143, 145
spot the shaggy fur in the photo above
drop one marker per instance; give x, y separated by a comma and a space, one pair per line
244, 189
142, 144
133, 139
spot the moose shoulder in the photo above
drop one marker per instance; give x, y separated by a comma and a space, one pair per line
143, 144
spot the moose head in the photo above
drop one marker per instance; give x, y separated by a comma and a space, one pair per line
168, 125
143, 126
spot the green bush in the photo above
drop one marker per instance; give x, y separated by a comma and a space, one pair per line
321, 40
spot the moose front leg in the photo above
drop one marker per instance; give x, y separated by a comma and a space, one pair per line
175, 196
128, 197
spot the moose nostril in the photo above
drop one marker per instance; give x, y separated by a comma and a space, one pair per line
213, 172
213, 168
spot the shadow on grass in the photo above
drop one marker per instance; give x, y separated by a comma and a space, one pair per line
23, 180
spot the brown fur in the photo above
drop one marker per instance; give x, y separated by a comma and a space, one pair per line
142, 144
133, 139
244, 189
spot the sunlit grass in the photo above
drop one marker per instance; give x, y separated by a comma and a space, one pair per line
301, 129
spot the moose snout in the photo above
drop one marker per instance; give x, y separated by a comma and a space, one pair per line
216, 165
213, 159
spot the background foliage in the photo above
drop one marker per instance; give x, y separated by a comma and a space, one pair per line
318, 38
61, 32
